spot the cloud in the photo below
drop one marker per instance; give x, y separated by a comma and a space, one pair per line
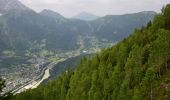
99, 7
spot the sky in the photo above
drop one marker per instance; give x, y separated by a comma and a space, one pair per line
69, 8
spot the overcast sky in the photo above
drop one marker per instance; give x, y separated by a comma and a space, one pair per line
70, 8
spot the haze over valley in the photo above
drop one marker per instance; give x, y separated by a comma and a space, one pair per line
36, 48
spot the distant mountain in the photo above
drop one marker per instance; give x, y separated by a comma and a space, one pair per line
86, 16
28, 30
10, 5
114, 27
148, 12
52, 14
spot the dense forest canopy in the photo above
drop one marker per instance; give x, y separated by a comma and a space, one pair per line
137, 68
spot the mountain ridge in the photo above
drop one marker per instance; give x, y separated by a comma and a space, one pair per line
52, 14
12, 5
54, 28
85, 16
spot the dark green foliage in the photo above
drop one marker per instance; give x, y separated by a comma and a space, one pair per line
69, 64
1, 85
6, 96
138, 68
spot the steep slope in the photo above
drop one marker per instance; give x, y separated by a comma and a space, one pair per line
49, 13
137, 68
7, 6
69, 64
85, 16
114, 27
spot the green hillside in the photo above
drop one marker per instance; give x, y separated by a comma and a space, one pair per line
138, 68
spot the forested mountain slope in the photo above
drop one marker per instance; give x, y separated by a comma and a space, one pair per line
137, 68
